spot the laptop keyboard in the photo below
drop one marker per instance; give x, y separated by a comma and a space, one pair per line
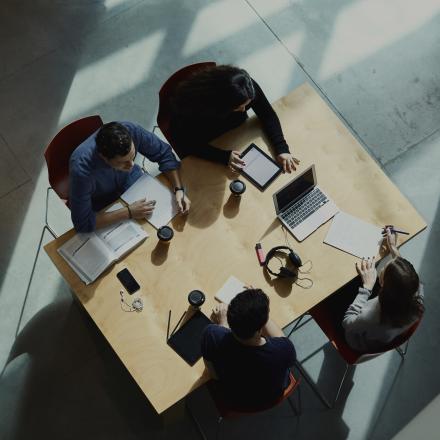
304, 207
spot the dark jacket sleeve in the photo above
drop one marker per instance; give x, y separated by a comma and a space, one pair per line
188, 140
269, 120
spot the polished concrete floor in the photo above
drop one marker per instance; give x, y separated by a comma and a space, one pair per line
376, 63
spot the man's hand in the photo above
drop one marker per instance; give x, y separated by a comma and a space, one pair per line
368, 273
288, 162
183, 202
236, 163
219, 314
142, 208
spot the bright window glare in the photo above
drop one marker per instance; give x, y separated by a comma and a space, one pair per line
271, 68
111, 76
216, 22
368, 26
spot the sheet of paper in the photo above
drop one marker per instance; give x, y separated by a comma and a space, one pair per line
353, 235
147, 187
259, 167
227, 293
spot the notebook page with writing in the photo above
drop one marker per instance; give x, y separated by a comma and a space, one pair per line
86, 255
354, 236
149, 188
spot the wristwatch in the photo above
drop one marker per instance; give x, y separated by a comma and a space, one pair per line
179, 188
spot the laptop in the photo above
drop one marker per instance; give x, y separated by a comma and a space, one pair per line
302, 207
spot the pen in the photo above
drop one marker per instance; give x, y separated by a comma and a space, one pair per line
260, 254
397, 231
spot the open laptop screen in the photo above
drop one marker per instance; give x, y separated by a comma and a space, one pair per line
295, 189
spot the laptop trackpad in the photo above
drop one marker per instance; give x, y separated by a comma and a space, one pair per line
313, 222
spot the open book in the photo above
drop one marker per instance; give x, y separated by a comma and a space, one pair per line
149, 188
230, 289
89, 254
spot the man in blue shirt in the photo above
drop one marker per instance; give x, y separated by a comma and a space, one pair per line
247, 352
102, 168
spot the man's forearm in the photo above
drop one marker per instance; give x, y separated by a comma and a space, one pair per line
106, 218
272, 330
174, 177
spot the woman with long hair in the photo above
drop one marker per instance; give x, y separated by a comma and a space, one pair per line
214, 100
372, 323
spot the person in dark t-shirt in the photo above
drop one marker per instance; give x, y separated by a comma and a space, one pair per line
247, 352
214, 100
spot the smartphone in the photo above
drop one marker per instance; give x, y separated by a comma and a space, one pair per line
128, 281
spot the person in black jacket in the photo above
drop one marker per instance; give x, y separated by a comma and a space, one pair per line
214, 100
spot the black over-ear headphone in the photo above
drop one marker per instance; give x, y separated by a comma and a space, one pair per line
284, 272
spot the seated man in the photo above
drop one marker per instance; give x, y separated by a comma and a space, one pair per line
103, 167
247, 352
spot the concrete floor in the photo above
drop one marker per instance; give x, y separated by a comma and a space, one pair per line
377, 65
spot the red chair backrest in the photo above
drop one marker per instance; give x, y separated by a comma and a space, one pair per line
214, 388
335, 333
58, 152
165, 93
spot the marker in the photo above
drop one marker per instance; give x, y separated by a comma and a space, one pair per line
393, 230
260, 254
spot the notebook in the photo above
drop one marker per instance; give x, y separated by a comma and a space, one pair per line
229, 290
149, 188
89, 254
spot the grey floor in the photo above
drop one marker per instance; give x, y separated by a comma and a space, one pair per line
377, 65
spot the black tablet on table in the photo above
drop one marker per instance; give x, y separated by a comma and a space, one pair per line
186, 341
260, 168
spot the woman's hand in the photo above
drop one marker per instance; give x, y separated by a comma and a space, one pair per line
183, 202
219, 314
368, 273
288, 162
390, 239
236, 163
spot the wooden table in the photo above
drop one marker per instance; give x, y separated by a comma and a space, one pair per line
218, 238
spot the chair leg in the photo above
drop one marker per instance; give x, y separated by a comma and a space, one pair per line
47, 212
196, 422
347, 367
46, 227
297, 323
312, 385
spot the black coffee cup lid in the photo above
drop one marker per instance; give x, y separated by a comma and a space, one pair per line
165, 233
196, 298
237, 187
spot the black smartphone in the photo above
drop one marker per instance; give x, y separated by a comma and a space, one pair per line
128, 281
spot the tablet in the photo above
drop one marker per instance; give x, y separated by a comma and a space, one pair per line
187, 341
260, 168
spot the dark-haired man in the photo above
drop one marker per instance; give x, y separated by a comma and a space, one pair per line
247, 352
102, 168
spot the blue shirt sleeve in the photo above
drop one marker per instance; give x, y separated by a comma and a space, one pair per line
285, 349
152, 147
80, 200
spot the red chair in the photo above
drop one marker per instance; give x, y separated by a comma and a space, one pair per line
57, 155
324, 316
227, 412
165, 93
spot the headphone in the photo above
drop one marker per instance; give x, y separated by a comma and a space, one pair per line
284, 272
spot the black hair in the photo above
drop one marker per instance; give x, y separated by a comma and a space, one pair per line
113, 139
214, 90
248, 312
399, 302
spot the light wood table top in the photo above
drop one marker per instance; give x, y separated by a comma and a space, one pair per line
218, 238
